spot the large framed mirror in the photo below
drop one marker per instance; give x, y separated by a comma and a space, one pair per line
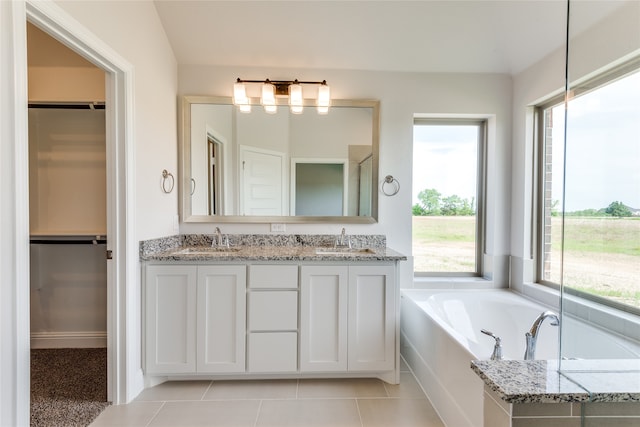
282, 167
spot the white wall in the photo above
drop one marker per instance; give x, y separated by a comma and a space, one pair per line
615, 39
133, 30
401, 95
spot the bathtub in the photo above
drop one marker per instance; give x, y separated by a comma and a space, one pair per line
440, 335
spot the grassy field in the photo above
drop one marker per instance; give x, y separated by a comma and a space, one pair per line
602, 255
444, 243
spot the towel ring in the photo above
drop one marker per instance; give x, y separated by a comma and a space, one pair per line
166, 175
389, 179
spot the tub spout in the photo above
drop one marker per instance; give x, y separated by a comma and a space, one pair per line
497, 348
532, 335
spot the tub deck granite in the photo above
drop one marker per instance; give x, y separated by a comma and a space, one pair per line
540, 381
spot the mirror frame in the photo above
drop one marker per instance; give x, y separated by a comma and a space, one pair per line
184, 158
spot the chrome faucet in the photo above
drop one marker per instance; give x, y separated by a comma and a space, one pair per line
532, 335
343, 240
218, 240
497, 348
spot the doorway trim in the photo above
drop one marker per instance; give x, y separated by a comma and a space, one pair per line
123, 380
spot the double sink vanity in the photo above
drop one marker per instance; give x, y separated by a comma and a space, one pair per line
270, 306
273, 305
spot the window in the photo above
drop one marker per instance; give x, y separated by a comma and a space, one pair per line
447, 196
589, 198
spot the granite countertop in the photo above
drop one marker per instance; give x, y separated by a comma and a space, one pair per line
266, 248
540, 381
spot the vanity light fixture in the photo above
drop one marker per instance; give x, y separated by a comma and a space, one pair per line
270, 89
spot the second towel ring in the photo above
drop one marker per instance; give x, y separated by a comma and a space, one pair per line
389, 179
165, 176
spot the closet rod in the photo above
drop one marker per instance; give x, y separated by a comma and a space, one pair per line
68, 242
69, 105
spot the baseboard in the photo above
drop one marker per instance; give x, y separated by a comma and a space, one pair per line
68, 340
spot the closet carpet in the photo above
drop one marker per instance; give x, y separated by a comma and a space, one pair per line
68, 386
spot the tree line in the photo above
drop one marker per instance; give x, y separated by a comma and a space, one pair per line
616, 209
432, 203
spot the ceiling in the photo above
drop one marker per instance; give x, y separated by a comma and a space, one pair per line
504, 36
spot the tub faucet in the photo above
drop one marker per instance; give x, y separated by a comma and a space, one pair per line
532, 335
497, 348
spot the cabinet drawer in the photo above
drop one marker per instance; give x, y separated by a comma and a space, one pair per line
273, 311
273, 352
273, 276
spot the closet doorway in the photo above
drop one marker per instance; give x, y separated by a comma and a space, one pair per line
68, 233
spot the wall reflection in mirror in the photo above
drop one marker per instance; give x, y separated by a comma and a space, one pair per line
261, 167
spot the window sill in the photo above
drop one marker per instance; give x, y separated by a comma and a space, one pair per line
452, 282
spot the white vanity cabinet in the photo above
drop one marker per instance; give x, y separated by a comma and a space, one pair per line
251, 319
194, 319
347, 318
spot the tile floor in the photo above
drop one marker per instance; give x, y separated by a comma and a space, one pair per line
305, 402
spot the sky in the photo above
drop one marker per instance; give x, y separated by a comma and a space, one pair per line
445, 158
603, 147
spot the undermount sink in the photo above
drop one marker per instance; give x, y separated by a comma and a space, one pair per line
207, 250
344, 251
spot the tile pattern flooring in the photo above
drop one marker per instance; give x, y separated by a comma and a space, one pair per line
306, 402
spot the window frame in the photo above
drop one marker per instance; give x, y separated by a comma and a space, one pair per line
578, 88
481, 190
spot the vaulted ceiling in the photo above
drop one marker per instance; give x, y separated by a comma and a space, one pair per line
504, 36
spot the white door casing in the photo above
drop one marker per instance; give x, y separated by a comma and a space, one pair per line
124, 380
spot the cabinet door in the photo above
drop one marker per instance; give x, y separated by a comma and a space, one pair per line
372, 318
323, 318
221, 318
170, 319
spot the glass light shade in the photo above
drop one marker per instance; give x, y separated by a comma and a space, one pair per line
324, 96
245, 108
322, 110
240, 94
295, 98
268, 94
